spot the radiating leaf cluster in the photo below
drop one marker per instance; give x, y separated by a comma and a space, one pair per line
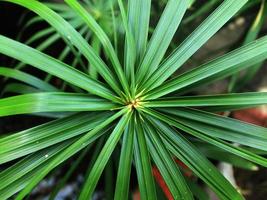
130, 105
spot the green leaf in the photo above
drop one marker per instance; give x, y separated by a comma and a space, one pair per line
205, 136
77, 55
138, 20
142, 164
21, 183
227, 135
125, 163
218, 154
206, 7
65, 52
232, 99
103, 157
114, 26
43, 136
27, 78
70, 151
237, 83
222, 127
216, 69
97, 149
217, 109
194, 41
166, 165
40, 34
228, 147
254, 30
48, 42
59, 7
53, 39
32, 22
193, 159
72, 37
97, 46
28, 164
18, 88
109, 177
249, 4
55, 67
94, 26
53, 102
198, 191
129, 51
161, 38
74, 166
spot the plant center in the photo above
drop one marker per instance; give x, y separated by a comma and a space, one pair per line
134, 104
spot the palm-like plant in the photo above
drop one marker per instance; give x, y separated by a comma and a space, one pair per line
103, 13
133, 102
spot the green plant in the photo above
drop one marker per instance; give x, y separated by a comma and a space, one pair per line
132, 103
237, 82
47, 38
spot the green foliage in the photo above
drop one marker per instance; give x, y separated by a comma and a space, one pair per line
131, 101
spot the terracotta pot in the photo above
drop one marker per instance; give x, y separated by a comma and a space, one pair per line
257, 116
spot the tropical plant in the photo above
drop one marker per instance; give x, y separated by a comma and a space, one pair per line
48, 37
135, 102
